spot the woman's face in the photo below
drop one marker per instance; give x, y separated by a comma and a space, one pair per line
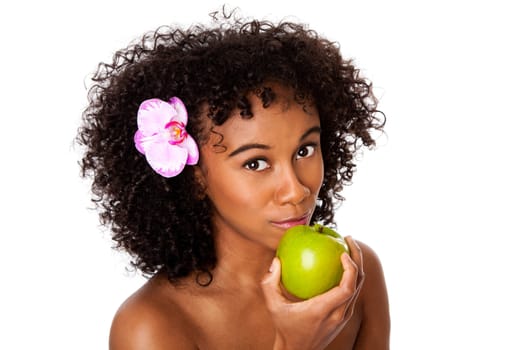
266, 174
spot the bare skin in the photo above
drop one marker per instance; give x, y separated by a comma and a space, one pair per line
163, 316
267, 180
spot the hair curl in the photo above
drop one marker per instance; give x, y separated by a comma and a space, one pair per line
165, 224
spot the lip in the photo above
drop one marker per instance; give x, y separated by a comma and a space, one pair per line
290, 222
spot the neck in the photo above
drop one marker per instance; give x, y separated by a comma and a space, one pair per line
240, 261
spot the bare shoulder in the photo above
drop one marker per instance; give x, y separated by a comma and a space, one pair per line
374, 332
146, 320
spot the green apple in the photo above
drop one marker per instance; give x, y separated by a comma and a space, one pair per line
310, 259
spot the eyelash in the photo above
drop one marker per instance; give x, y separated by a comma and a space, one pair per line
256, 161
312, 146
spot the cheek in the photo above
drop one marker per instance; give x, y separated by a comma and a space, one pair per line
313, 174
234, 193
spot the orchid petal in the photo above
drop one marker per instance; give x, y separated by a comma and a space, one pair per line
181, 115
153, 115
193, 150
138, 141
167, 160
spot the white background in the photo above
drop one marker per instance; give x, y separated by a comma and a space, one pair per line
441, 199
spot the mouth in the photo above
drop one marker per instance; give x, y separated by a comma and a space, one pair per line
290, 222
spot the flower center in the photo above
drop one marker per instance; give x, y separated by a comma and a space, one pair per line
176, 131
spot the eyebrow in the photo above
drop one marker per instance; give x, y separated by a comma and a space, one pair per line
248, 146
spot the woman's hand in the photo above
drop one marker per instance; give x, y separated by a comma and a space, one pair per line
314, 323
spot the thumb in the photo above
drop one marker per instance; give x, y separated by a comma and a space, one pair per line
273, 276
271, 283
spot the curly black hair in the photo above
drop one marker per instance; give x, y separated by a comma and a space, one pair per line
165, 223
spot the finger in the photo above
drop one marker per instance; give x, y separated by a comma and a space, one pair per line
349, 306
271, 284
355, 250
274, 273
349, 281
357, 256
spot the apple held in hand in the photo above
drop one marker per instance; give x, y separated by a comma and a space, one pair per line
310, 259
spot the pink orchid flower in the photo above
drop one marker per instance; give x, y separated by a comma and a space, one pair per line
162, 136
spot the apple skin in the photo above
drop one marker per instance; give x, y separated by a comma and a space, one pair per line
310, 259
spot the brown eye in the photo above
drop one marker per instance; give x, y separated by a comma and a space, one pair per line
305, 151
256, 165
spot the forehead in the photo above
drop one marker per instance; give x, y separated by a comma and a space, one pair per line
283, 117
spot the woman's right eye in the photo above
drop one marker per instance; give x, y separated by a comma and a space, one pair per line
256, 165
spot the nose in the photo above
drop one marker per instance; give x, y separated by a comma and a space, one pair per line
290, 189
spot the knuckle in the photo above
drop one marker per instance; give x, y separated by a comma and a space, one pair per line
347, 289
337, 316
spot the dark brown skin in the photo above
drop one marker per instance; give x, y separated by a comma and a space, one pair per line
245, 307
161, 316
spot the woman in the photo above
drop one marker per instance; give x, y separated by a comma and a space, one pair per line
205, 145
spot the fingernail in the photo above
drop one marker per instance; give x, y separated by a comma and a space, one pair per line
272, 266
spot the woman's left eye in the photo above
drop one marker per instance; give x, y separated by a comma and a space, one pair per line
306, 151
